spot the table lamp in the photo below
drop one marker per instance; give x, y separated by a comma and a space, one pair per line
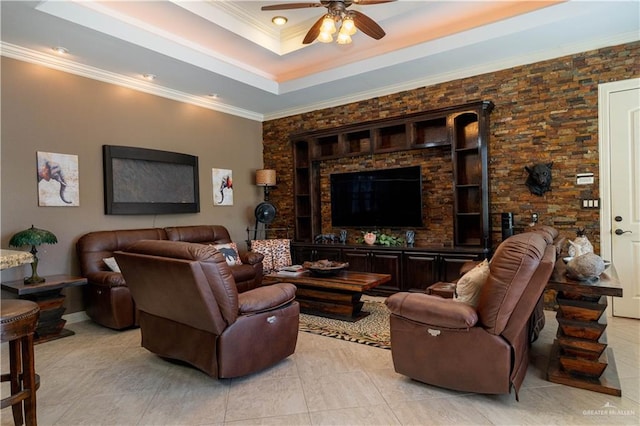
33, 237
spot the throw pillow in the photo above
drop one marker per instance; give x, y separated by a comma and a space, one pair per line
469, 286
264, 247
111, 264
230, 253
281, 253
277, 253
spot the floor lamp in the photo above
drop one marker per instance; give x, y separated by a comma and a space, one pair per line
267, 179
265, 211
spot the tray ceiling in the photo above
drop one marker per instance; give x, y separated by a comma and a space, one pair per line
260, 71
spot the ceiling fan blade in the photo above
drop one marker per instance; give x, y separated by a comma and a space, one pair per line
314, 31
285, 6
367, 25
366, 2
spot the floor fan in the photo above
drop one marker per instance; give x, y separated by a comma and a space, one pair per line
265, 214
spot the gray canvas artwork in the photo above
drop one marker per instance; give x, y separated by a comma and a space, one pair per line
141, 181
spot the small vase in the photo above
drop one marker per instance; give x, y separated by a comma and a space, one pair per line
370, 238
411, 238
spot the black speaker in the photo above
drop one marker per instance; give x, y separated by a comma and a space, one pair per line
507, 225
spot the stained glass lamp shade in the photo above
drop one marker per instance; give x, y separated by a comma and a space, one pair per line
33, 237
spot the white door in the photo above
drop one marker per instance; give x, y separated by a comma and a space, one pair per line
620, 188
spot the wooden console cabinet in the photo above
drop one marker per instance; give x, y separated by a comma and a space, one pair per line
411, 268
423, 268
377, 262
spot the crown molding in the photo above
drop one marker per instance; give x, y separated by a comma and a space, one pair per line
65, 65
61, 64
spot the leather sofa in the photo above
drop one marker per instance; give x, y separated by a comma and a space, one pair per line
450, 344
107, 298
190, 309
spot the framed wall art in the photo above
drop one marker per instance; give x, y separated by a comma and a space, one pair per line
58, 182
222, 180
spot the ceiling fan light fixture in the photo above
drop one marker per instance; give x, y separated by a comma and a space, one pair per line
348, 26
328, 25
343, 38
337, 17
325, 37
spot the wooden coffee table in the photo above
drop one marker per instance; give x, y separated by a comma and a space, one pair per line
335, 296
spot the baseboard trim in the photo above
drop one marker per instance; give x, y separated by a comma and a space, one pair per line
76, 317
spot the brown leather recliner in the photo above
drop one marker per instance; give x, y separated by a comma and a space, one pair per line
190, 309
537, 320
450, 344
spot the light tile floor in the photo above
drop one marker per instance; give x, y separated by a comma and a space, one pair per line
104, 377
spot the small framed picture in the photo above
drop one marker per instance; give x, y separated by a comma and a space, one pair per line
58, 183
222, 180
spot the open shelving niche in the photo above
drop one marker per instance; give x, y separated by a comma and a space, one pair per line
465, 128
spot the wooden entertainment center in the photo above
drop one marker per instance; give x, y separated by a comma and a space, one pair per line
463, 128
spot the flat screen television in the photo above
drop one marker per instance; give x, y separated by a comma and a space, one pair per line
149, 181
377, 198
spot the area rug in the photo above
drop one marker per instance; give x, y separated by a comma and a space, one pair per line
372, 330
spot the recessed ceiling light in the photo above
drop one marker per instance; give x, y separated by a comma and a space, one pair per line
214, 95
60, 50
149, 77
279, 20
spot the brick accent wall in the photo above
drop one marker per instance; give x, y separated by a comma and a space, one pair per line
544, 112
437, 195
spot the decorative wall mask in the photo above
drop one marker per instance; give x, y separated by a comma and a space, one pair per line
539, 180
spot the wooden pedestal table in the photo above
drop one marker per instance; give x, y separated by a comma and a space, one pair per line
48, 295
580, 356
336, 297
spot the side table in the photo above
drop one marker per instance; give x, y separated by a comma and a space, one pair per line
580, 356
48, 295
442, 289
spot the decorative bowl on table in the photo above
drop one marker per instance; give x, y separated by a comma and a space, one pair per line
324, 268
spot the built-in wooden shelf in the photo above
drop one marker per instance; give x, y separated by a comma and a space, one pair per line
465, 128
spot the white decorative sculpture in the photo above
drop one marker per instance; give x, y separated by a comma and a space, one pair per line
581, 245
585, 267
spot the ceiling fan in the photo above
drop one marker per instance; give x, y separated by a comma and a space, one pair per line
325, 27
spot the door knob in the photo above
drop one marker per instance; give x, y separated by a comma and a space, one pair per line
620, 232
